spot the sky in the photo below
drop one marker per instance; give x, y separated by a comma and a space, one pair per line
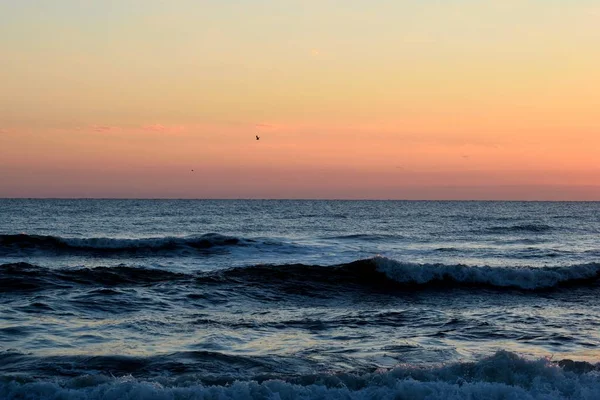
353, 99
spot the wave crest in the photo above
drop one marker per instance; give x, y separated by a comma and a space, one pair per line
391, 274
528, 278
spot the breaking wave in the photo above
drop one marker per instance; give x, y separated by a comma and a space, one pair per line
527, 278
504, 375
379, 272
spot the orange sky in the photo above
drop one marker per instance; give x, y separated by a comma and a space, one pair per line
405, 100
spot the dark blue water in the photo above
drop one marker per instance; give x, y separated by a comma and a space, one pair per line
299, 299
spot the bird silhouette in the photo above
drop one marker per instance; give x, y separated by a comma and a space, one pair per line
257, 137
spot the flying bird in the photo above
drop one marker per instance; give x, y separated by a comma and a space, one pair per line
257, 137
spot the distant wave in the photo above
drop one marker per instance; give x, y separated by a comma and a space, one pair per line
533, 228
379, 273
447, 249
32, 243
367, 237
504, 375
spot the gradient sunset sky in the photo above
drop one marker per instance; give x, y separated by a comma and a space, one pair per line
375, 99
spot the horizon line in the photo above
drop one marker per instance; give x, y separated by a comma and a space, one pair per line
297, 199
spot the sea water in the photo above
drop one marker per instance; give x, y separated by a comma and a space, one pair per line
202, 299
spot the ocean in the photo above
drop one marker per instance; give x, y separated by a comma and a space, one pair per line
291, 299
